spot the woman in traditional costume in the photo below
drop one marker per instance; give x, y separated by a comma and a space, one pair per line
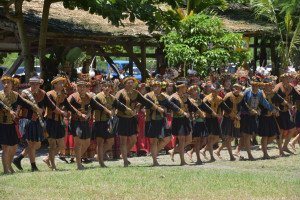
200, 132
181, 124
230, 124
157, 127
103, 124
31, 123
9, 138
79, 125
288, 92
55, 125
216, 104
127, 123
268, 127
253, 97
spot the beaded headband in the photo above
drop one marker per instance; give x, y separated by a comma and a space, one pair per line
193, 87
83, 82
130, 78
287, 75
256, 83
57, 79
3, 78
36, 79
156, 83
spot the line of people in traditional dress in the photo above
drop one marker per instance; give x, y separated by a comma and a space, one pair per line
197, 118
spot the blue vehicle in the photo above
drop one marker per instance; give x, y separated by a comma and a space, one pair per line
121, 64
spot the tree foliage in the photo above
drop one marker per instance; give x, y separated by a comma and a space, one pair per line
284, 15
117, 10
202, 42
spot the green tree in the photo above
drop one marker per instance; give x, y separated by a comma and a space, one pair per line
283, 14
202, 42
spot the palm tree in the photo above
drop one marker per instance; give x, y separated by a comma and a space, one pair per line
283, 15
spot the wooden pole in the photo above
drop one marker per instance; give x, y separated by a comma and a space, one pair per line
255, 53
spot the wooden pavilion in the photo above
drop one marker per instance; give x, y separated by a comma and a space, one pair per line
78, 28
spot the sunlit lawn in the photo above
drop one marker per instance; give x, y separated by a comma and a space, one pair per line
278, 178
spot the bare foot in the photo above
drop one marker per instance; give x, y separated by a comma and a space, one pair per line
287, 150
199, 162
126, 164
251, 158
103, 165
171, 152
184, 164
6, 172
218, 154
293, 146
47, 162
204, 155
232, 158
81, 168
156, 164
282, 154
11, 170
212, 159
190, 156
238, 155
266, 157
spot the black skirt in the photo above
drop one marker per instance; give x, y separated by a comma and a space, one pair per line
284, 120
249, 124
55, 129
228, 128
267, 127
126, 126
181, 126
80, 129
213, 126
297, 118
31, 130
103, 130
157, 129
8, 134
199, 129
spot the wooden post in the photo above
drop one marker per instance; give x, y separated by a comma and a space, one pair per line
143, 59
263, 53
131, 64
15, 65
109, 60
136, 61
255, 53
275, 68
130, 67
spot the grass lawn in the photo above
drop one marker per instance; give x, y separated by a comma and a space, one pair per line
278, 178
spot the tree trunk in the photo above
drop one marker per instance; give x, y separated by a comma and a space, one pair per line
25, 43
24, 40
43, 35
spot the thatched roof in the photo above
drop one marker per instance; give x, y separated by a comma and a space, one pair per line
63, 20
240, 18
74, 22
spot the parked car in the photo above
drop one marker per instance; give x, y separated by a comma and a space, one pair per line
21, 70
121, 64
